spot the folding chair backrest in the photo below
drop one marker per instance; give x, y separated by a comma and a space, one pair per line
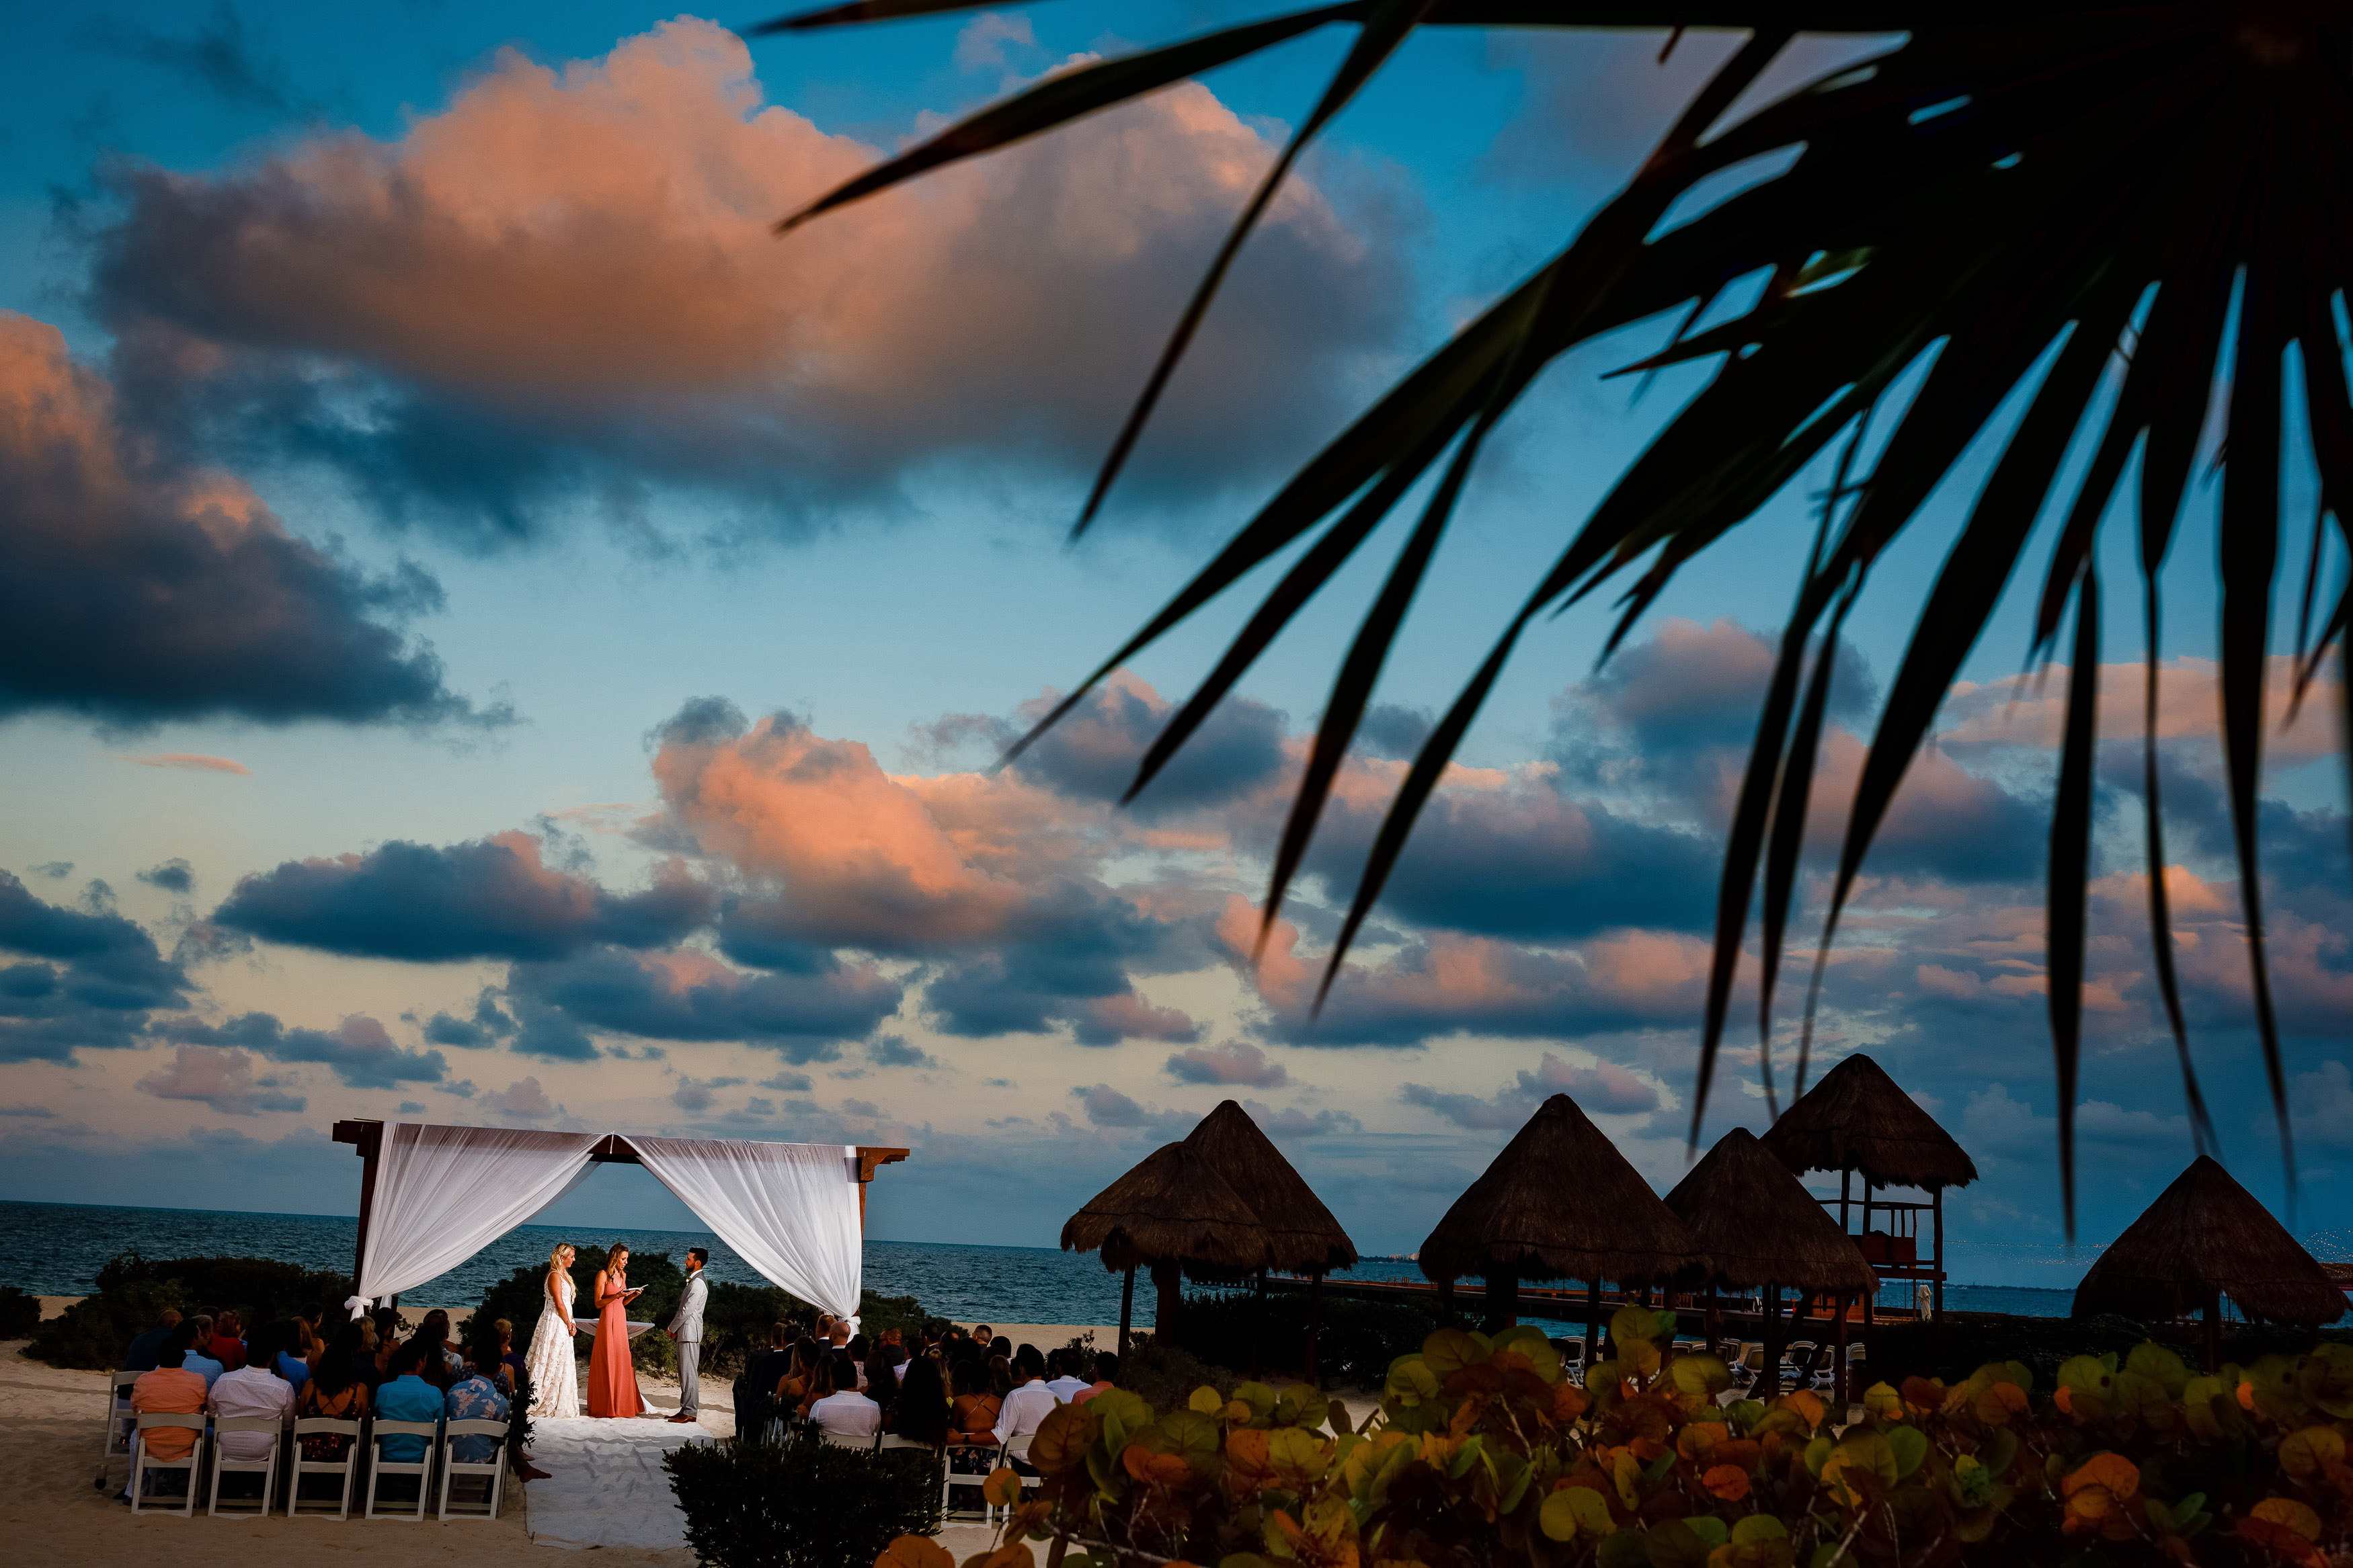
266, 1466
141, 1464
846, 1440
421, 1468
892, 1440
492, 1469
347, 1467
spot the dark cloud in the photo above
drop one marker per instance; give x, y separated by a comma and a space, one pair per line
134, 590
687, 995
1603, 1089
358, 1050
1092, 752
489, 1025
788, 1083
219, 54
897, 1051
54, 870
491, 898
91, 978
174, 876
1294, 1121
1235, 1062
1392, 731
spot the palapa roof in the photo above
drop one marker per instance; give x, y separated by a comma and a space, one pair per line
1561, 1201
1857, 1118
2206, 1234
1304, 1236
1173, 1206
1760, 1226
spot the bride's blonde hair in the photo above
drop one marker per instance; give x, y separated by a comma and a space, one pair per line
555, 1258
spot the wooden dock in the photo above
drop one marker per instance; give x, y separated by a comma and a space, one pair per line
1739, 1316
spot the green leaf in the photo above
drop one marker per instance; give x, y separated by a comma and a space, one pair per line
1910, 1446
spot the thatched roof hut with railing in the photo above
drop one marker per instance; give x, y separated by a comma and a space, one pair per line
1172, 1209
2206, 1237
1559, 1202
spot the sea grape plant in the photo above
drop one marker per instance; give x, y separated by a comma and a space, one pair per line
1484, 1452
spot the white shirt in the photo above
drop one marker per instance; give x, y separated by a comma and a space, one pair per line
846, 1415
1024, 1410
250, 1391
1067, 1388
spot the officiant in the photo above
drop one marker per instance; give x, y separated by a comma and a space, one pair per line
686, 1326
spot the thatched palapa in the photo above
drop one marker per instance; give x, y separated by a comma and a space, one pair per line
1300, 1231
2206, 1234
1758, 1225
1560, 1201
1174, 1207
1857, 1118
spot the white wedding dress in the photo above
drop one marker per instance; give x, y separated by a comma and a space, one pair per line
555, 1375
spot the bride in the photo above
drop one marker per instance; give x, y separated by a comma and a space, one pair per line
554, 1379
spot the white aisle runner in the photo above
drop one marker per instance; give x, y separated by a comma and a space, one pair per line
605, 1484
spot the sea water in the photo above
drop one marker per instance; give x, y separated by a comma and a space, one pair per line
57, 1249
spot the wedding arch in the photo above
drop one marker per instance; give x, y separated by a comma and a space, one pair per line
432, 1195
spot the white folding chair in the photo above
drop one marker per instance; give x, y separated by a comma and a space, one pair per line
119, 1423
379, 1466
142, 1462
266, 1466
492, 1470
953, 1478
842, 1440
347, 1467
1018, 1447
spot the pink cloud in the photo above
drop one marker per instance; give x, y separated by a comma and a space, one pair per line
1235, 1062
521, 1101
195, 762
222, 1079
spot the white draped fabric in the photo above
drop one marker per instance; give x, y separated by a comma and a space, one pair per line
442, 1194
789, 1210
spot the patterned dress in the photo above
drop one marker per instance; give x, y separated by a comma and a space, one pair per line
554, 1377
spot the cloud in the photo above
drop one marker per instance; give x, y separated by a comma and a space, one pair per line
90, 979
218, 54
54, 870
139, 588
895, 1051
222, 1079
688, 994
480, 340
695, 1096
521, 1101
1092, 752
410, 1108
1292, 1121
359, 1050
489, 1025
1235, 1062
29, 1113
981, 43
174, 876
493, 897
1605, 1088
194, 761
1106, 1107
788, 1083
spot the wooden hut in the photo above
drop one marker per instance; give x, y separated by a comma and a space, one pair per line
1171, 1210
1560, 1201
1858, 1121
1302, 1234
1759, 1227
2206, 1237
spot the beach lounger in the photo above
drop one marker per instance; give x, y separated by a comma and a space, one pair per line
266, 1466
142, 1463
491, 1471
379, 1466
348, 1466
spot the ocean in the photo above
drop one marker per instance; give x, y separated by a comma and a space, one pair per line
57, 1249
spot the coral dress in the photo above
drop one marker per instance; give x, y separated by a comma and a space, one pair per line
612, 1375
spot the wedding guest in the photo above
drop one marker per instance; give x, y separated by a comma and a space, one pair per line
387, 1340
846, 1413
171, 1389
314, 1344
1002, 1346
253, 1390
1106, 1376
986, 1336
920, 1413
203, 1365
367, 1357
978, 1397
511, 1367
407, 1396
1030, 1402
289, 1363
881, 1383
226, 1344
336, 1391
443, 1364
140, 1354
793, 1387
475, 1397
1064, 1387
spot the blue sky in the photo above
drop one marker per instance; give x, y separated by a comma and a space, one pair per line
579, 710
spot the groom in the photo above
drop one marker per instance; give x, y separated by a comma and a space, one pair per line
686, 1328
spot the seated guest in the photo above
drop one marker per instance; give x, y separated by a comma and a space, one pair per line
476, 1397
1002, 1346
407, 1396
985, 1337
443, 1364
846, 1413
387, 1340
171, 1389
255, 1389
336, 1392
228, 1345
314, 1345
510, 1358
1106, 1376
140, 1354
762, 1370
196, 1360
1060, 1380
826, 1375
1030, 1402
289, 1363
792, 1388
880, 1383
367, 1354
920, 1413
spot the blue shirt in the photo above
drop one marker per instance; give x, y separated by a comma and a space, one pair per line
140, 1354
407, 1398
205, 1367
294, 1370
476, 1399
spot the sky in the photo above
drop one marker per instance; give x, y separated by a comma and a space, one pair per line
494, 635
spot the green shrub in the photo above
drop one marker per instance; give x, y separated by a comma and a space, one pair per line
1959, 1342
134, 1291
18, 1313
800, 1503
1355, 1340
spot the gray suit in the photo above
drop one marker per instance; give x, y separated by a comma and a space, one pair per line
687, 1325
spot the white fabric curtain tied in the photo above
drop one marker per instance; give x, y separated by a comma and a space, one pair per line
789, 1210
443, 1194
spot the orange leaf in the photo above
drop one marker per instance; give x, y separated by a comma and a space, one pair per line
1726, 1483
2112, 1473
1003, 1488
2280, 1539
914, 1552
1567, 1401
2289, 1514
1808, 1407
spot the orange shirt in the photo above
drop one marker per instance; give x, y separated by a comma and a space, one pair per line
168, 1391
